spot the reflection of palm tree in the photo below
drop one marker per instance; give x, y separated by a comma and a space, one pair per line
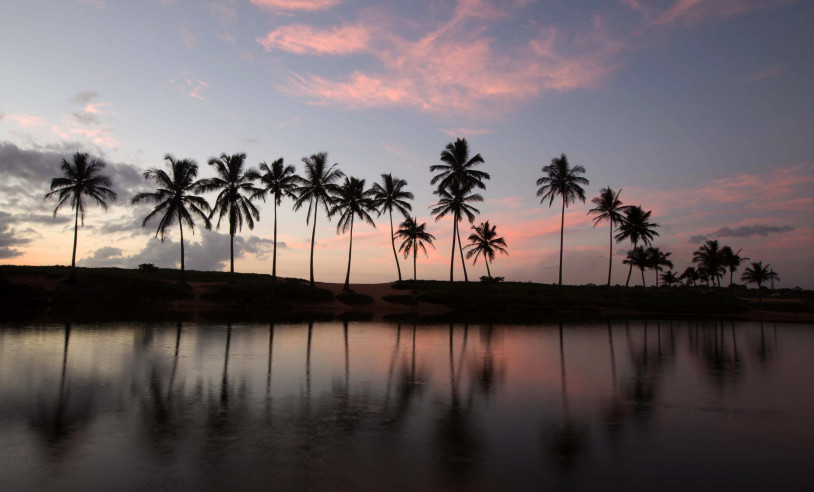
566, 182
608, 207
78, 181
388, 196
414, 238
636, 227
456, 201
485, 241
279, 181
350, 201
567, 439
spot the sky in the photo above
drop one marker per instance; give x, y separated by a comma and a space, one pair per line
699, 110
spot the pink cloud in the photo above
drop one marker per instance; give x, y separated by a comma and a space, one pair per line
305, 5
658, 13
25, 120
760, 75
457, 132
302, 39
189, 87
99, 4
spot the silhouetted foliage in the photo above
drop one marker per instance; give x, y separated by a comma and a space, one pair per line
390, 195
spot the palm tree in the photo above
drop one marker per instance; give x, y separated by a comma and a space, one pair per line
565, 181
731, 260
658, 259
414, 238
388, 196
80, 180
457, 202
710, 256
636, 226
176, 198
669, 278
639, 258
352, 200
757, 274
610, 208
484, 241
690, 275
279, 181
317, 184
237, 191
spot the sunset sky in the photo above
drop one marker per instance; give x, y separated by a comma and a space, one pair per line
700, 110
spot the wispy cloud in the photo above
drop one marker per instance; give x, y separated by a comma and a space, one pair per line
99, 4
189, 86
305, 5
464, 132
303, 39
659, 13
25, 120
766, 73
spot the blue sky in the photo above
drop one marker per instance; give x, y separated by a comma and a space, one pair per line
701, 110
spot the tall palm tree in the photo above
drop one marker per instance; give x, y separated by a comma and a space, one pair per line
455, 201
636, 227
414, 239
690, 275
485, 241
318, 184
352, 200
658, 259
79, 180
237, 190
390, 195
732, 260
639, 258
610, 208
565, 181
279, 181
756, 273
176, 198
710, 256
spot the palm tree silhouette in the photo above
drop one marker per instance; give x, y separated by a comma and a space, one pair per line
233, 181
636, 226
756, 273
279, 181
639, 258
80, 180
455, 201
669, 278
458, 172
387, 196
610, 208
732, 260
317, 184
352, 200
690, 275
658, 259
484, 241
565, 181
414, 238
176, 199
710, 257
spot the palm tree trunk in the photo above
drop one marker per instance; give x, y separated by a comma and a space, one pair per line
643, 278
610, 257
232, 257
629, 271
393, 244
350, 250
562, 231
657, 278
463, 262
486, 260
415, 278
72, 276
452, 258
313, 235
181, 229
274, 258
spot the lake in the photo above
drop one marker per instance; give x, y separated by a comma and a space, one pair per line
368, 406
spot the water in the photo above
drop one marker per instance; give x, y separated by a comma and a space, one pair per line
363, 406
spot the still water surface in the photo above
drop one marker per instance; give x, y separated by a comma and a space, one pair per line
363, 406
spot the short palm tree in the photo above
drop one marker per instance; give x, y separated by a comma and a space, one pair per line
352, 200
566, 182
669, 278
610, 208
658, 259
79, 180
485, 242
756, 273
279, 181
414, 238
318, 184
690, 275
237, 190
711, 258
639, 258
455, 201
732, 260
176, 198
636, 227
389, 195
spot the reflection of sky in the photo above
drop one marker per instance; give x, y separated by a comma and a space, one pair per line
679, 401
700, 110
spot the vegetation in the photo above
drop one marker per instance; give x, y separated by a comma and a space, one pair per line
485, 242
414, 238
279, 181
350, 201
636, 227
390, 195
756, 273
608, 208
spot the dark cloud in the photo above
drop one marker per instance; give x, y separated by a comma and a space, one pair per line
85, 97
9, 238
86, 118
700, 238
752, 230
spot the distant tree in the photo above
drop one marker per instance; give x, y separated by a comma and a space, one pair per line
279, 181
639, 258
710, 257
389, 195
352, 200
79, 180
562, 180
318, 185
659, 259
690, 276
731, 260
670, 278
756, 273
414, 238
455, 201
636, 227
237, 190
608, 208
176, 198
485, 242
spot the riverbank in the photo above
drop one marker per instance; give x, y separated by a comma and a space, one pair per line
43, 293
